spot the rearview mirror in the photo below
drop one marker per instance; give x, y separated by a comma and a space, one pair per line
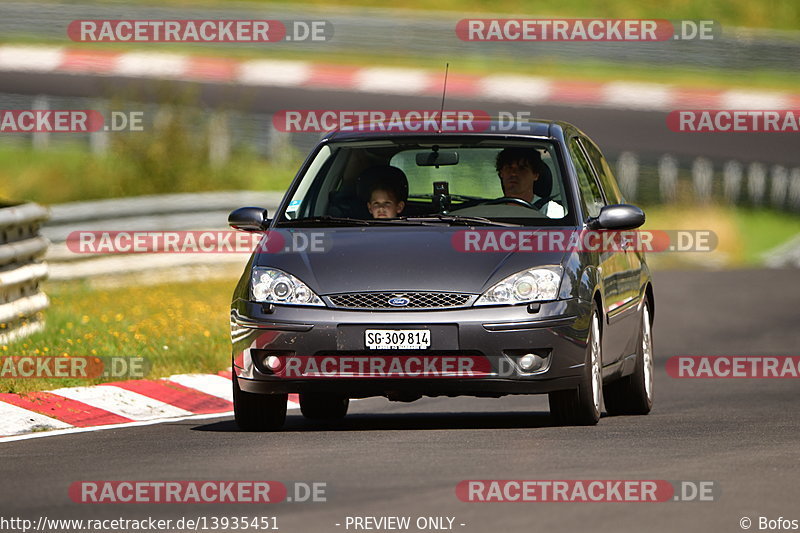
249, 219
618, 216
437, 158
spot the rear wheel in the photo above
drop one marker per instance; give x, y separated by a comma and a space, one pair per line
318, 406
258, 412
633, 394
581, 406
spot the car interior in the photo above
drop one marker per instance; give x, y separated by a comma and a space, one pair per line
466, 175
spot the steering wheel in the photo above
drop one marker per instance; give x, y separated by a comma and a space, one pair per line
509, 199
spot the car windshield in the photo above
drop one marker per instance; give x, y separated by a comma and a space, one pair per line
385, 182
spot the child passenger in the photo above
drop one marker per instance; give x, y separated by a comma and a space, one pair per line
388, 190
385, 202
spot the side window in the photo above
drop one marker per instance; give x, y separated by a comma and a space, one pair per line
607, 179
590, 192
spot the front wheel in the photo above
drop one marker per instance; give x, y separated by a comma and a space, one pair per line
258, 412
633, 394
581, 406
323, 406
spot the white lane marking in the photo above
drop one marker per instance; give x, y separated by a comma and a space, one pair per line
121, 402
274, 73
392, 80
149, 64
207, 383
72, 430
30, 58
753, 100
15, 420
626, 95
516, 88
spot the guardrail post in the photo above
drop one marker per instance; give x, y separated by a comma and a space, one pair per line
628, 174
219, 140
794, 189
780, 182
756, 182
668, 178
279, 144
41, 139
702, 175
98, 140
732, 174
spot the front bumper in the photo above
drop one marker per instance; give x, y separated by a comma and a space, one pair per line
498, 336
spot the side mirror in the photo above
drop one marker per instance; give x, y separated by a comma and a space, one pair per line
619, 217
249, 219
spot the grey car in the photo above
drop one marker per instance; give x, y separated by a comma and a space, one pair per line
407, 264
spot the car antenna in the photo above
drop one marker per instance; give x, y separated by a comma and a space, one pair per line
444, 92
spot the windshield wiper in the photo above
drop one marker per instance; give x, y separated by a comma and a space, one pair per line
466, 221
347, 221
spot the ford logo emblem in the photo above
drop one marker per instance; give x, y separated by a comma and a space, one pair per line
399, 301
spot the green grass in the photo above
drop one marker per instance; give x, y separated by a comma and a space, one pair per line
780, 14
71, 173
177, 328
744, 234
169, 156
762, 230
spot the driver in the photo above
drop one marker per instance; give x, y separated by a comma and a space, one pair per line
518, 169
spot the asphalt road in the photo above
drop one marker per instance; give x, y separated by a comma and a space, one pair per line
613, 129
390, 459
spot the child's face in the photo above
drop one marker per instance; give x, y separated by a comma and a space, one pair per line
382, 204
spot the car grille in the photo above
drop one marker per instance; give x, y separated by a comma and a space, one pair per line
416, 300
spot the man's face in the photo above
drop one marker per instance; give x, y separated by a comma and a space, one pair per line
517, 179
382, 204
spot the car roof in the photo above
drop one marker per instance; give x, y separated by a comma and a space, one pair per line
481, 128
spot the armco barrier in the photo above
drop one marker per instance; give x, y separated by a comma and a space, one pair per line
21, 270
168, 212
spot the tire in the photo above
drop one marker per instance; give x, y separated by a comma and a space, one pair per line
258, 412
581, 406
633, 394
323, 406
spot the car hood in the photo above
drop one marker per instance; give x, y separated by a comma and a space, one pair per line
417, 258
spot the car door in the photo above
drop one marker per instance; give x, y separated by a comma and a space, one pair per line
611, 265
629, 280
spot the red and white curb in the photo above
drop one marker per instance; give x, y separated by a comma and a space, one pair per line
119, 404
530, 90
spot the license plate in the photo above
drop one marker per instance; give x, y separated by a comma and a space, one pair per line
397, 339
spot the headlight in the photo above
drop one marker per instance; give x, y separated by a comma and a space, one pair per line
278, 287
534, 285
